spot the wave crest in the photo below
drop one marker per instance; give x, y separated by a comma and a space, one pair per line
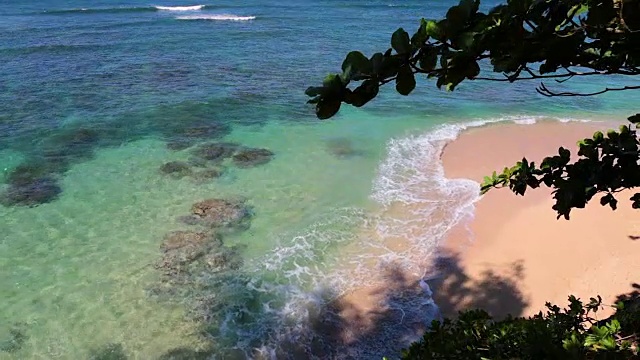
119, 10
180, 8
216, 17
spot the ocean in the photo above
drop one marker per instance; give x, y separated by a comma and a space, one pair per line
106, 110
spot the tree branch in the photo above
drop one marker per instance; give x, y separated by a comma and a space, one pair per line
543, 90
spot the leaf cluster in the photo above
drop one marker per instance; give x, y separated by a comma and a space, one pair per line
604, 164
522, 39
569, 333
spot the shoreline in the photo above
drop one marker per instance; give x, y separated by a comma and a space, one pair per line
476, 264
514, 256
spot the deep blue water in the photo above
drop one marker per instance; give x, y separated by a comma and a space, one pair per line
116, 64
93, 92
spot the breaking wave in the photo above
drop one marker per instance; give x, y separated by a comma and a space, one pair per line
181, 8
118, 10
216, 17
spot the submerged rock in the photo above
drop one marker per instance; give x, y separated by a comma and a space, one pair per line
188, 239
220, 213
207, 174
38, 191
198, 162
181, 248
250, 157
193, 264
186, 354
15, 340
223, 259
180, 138
177, 145
341, 148
29, 172
215, 151
176, 169
71, 145
110, 351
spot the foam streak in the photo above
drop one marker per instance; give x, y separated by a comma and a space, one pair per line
180, 8
216, 17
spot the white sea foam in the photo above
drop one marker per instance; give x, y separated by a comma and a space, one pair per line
216, 17
180, 8
420, 204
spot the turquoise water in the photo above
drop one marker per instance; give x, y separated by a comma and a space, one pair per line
96, 98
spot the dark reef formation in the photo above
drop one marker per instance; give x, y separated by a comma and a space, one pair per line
220, 213
15, 340
177, 169
250, 157
32, 193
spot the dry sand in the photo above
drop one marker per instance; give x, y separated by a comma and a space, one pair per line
515, 255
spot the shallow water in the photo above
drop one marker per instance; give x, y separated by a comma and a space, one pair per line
106, 87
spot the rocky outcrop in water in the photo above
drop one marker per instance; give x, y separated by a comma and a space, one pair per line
207, 174
215, 151
242, 157
250, 157
32, 193
190, 261
181, 138
177, 169
219, 213
186, 354
28, 172
198, 171
34, 181
71, 145
15, 340
184, 251
111, 351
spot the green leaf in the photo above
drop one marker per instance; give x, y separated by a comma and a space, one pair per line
400, 42
326, 108
457, 16
614, 326
472, 70
364, 93
608, 343
634, 119
406, 81
420, 37
428, 59
332, 81
434, 30
357, 62
598, 137
314, 91
578, 10
609, 200
466, 39
376, 60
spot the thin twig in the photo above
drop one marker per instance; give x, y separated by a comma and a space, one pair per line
543, 90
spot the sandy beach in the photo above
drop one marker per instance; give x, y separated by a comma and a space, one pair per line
512, 257
515, 255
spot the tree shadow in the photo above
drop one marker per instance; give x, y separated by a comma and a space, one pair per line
496, 293
382, 320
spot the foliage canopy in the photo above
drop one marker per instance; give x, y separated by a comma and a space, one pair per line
558, 334
521, 40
